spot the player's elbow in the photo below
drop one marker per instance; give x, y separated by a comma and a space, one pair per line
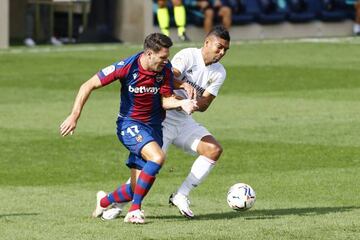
201, 109
91, 84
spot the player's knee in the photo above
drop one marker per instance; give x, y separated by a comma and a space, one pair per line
161, 3
159, 158
209, 13
225, 12
218, 151
214, 151
177, 2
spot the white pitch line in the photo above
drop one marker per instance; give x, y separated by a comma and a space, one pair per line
77, 48
109, 47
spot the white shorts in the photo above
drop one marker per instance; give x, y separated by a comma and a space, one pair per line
185, 134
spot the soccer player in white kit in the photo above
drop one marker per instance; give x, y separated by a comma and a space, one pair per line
199, 75
200, 69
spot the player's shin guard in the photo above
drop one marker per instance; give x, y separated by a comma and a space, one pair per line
163, 20
123, 194
199, 171
144, 183
180, 18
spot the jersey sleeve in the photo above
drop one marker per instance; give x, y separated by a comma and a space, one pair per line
181, 61
167, 88
116, 71
217, 81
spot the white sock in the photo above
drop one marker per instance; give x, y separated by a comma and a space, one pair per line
356, 28
199, 171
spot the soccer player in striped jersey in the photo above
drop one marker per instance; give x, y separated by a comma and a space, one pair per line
200, 76
146, 92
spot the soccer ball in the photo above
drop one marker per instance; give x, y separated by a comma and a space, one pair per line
241, 197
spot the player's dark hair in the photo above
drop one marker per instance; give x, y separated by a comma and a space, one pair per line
221, 32
157, 41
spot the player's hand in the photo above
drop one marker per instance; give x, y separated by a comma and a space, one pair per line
189, 106
190, 90
68, 126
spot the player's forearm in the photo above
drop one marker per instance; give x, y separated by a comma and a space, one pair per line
80, 100
178, 84
202, 104
172, 102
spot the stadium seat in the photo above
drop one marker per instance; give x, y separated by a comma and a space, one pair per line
241, 14
328, 10
299, 11
266, 14
349, 8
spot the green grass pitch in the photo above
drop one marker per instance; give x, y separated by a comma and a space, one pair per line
288, 118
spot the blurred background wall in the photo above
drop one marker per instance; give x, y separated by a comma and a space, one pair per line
132, 20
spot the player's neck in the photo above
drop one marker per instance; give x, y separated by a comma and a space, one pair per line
144, 64
207, 62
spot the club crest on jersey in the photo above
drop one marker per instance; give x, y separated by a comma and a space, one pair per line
139, 138
159, 78
210, 81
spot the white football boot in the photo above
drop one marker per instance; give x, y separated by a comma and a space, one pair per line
182, 203
56, 42
99, 210
113, 212
136, 216
29, 42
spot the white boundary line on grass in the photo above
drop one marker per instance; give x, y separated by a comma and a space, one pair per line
68, 48
108, 47
349, 40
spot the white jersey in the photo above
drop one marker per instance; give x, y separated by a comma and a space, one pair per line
190, 63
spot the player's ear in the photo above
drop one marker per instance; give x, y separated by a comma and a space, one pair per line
207, 41
148, 52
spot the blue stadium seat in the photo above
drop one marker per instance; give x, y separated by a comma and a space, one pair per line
325, 13
299, 11
350, 9
265, 16
242, 14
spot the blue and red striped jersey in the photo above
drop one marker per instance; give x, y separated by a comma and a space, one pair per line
141, 90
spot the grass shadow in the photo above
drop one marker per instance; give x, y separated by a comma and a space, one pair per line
257, 214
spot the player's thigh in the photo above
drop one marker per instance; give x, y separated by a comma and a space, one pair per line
190, 136
135, 135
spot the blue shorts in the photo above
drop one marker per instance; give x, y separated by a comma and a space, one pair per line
134, 135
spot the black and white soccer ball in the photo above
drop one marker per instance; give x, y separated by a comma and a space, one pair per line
241, 197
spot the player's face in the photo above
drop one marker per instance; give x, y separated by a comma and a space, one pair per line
216, 48
159, 60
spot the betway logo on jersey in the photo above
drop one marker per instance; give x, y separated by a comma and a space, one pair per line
143, 89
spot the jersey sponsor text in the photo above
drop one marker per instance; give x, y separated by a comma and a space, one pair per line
144, 89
